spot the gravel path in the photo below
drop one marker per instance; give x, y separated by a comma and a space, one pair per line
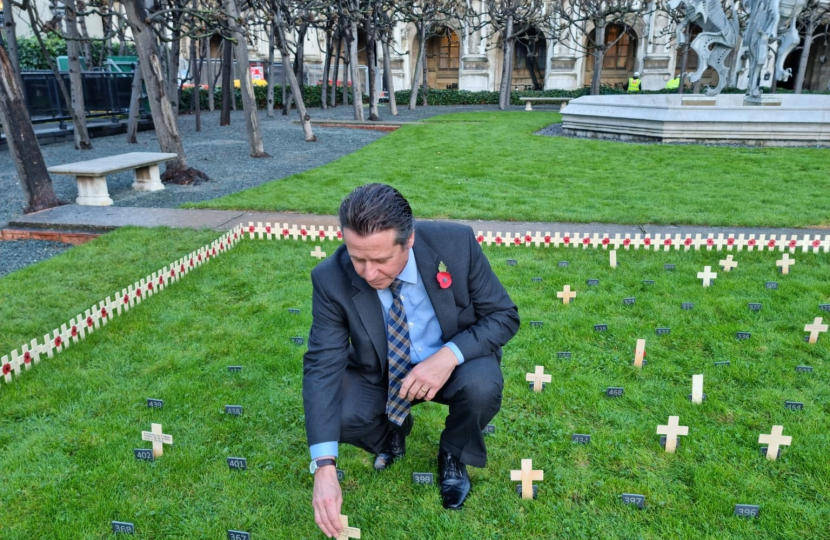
221, 152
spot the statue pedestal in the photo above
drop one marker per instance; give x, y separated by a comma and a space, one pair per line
762, 101
698, 101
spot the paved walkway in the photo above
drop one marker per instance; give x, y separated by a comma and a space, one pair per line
95, 220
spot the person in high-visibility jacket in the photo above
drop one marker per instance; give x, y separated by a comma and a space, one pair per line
673, 84
633, 84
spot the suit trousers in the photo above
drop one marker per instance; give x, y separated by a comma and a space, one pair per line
473, 394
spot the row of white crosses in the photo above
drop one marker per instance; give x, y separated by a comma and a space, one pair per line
84, 324
719, 242
276, 231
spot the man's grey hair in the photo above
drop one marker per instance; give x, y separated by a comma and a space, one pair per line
374, 208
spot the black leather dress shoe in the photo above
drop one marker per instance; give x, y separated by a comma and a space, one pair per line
395, 447
455, 482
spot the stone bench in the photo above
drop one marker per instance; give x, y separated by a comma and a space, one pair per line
528, 100
91, 175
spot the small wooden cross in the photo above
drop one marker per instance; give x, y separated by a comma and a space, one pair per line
728, 264
613, 258
671, 431
538, 377
347, 532
815, 329
566, 294
697, 388
785, 263
640, 353
489, 238
707, 275
526, 476
318, 253
158, 438
774, 440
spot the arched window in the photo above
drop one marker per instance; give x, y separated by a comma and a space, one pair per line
443, 57
621, 49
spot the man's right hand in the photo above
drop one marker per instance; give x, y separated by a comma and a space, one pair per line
327, 500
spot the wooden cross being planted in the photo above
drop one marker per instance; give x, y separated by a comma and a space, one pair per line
707, 275
347, 532
728, 264
775, 440
526, 476
815, 329
537, 378
671, 431
158, 439
566, 294
318, 253
785, 263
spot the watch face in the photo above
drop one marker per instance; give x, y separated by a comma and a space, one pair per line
313, 467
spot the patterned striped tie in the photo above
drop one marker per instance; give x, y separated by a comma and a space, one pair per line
397, 353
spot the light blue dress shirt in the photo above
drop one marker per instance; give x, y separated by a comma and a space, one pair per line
424, 329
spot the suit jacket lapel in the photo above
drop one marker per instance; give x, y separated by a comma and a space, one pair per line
443, 301
369, 309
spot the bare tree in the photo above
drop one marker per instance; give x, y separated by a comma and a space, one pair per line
513, 19
580, 16
23, 146
10, 28
282, 12
164, 119
255, 145
815, 14
73, 48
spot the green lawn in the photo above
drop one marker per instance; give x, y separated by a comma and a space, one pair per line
69, 426
491, 166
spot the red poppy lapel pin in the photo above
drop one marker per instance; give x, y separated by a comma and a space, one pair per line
444, 277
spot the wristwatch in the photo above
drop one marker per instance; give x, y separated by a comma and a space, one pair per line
317, 463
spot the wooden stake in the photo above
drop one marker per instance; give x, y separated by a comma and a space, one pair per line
158, 438
566, 294
613, 258
671, 431
774, 440
815, 328
537, 378
697, 388
526, 476
707, 275
639, 353
785, 263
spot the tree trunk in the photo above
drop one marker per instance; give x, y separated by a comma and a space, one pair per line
227, 84
419, 67
387, 75
684, 60
81, 20
324, 90
371, 55
286, 89
73, 48
167, 129
347, 72
270, 72
805, 52
599, 57
135, 106
424, 78
11, 42
304, 117
173, 61
23, 146
357, 92
336, 68
255, 147
210, 77
196, 96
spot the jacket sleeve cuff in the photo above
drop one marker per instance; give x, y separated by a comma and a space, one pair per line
323, 449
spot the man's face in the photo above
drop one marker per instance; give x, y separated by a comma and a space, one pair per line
376, 257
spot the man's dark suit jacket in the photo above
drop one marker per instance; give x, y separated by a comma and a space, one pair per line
349, 329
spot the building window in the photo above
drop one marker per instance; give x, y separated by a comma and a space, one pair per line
620, 51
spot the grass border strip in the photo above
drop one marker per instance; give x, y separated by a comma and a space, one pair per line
99, 314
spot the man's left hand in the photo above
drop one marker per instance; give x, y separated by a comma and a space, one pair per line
429, 376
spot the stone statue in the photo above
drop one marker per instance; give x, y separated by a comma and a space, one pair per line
770, 21
714, 43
